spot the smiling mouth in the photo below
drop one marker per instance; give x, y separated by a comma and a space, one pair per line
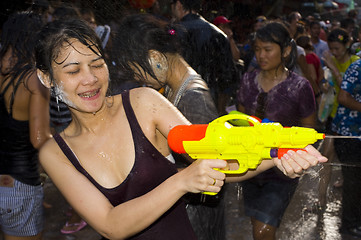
89, 94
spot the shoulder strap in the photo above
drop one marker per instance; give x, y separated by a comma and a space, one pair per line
66, 150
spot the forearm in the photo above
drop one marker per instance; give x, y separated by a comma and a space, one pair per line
234, 49
348, 101
265, 165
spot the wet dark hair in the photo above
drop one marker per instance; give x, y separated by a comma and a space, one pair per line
53, 35
136, 35
19, 34
276, 32
339, 35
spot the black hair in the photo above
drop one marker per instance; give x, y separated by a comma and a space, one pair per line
305, 42
53, 35
277, 32
339, 35
136, 35
19, 35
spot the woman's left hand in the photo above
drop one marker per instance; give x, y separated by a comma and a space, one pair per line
294, 163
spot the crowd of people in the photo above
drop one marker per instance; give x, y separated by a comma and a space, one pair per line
91, 105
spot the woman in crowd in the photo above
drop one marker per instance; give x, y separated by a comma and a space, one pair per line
24, 127
276, 93
337, 59
147, 49
109, 162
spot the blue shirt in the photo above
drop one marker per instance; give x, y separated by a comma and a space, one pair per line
347, 122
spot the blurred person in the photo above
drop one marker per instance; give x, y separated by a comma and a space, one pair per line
347, 122
319, 45
207, 50
314, 64
24, 128
293, 18
126, 188
356, 46
335, 24
349, 25
43, 8
274, 92
223, 23
249, 57
337, 59
103, 31
65, 11
301, 67
260, 21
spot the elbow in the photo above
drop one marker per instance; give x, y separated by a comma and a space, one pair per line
39, 141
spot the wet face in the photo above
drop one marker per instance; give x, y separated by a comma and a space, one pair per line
268, 55
338, 50
80, 77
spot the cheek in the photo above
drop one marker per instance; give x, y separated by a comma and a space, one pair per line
62, 95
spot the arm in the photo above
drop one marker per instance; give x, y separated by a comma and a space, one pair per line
39, 119
327, 58
346, 99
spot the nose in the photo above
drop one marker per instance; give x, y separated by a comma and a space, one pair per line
261, 54
89, 77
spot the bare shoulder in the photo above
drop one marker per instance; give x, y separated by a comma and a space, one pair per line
148, 98
49, 153
144, 93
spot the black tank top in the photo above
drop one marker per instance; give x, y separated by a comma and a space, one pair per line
18, 157
150, 169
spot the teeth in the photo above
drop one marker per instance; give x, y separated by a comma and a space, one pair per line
89, 94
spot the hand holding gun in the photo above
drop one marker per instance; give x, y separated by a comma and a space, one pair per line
246, 140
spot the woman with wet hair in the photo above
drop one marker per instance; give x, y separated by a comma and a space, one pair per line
280, 95
110, 162
24, 127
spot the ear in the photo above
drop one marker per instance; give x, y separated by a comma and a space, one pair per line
287, 51
158, 62
44, 78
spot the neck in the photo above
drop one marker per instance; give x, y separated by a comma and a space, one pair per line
85, 122
180, 70
344, 58
273, 74
314, 39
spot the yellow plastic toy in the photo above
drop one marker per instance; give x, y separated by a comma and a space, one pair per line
240, 137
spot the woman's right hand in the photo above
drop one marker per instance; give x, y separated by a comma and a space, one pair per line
201, 176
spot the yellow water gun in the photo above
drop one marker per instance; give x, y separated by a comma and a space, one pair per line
240, 137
